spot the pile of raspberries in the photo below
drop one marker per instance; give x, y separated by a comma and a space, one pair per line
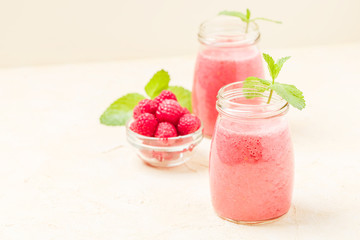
163, 117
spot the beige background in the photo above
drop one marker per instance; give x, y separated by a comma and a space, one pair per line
66, 31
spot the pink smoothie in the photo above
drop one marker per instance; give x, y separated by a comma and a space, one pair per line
215, 68
251, 169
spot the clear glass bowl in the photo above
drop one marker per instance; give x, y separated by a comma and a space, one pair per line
164, 152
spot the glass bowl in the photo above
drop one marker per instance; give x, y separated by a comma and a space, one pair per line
164, 152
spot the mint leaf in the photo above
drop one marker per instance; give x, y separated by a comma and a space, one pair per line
274, 68
121, 110
183, 96
160, 81
281, 61
265, 19
279, 64
290, 93
271, 65
255, 81
234, 14
253, 87
245, 17
248, 14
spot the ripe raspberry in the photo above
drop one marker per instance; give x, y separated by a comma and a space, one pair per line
165, 94
188, 124
144, 106
165, 130
169, 111
145, 125
185, 111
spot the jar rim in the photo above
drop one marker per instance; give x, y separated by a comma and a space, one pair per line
256, 107
222, 31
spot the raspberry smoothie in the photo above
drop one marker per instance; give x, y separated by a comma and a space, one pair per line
217, 67
251, 169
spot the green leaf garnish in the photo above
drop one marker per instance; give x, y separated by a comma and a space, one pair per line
240, 15
274, 68
246, 17
290, 93
271, 64
265, 19
183, 95
248, 13
160, 81
280, 63
121, 110
253, 86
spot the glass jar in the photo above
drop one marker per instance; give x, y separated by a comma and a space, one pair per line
227, 54
251, 158
164, 152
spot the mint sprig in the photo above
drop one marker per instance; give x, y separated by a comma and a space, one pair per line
160, 81
183, 95
120, 111
245, 17
253, 86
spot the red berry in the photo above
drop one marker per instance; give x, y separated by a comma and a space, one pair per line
145, 125
165, 94
169, 111
188, 124
165, 130
144, 106
185, 111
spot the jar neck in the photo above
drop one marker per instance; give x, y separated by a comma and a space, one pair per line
236, 102
226, 31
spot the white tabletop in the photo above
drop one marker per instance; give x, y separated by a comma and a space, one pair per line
66, 176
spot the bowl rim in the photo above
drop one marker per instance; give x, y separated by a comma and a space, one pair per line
196, 133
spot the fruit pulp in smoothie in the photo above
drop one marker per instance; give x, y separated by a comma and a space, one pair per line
251, 169
216, 67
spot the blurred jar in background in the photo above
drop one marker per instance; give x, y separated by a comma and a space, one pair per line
227, 54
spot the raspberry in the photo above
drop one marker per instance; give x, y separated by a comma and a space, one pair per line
185, 111
165, 94
169, 111
145, 125
165, 130
144, 106
188, 124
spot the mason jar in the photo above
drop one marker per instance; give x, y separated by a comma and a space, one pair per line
228, 53
251, 158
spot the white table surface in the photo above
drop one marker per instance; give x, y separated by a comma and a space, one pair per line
63, 175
